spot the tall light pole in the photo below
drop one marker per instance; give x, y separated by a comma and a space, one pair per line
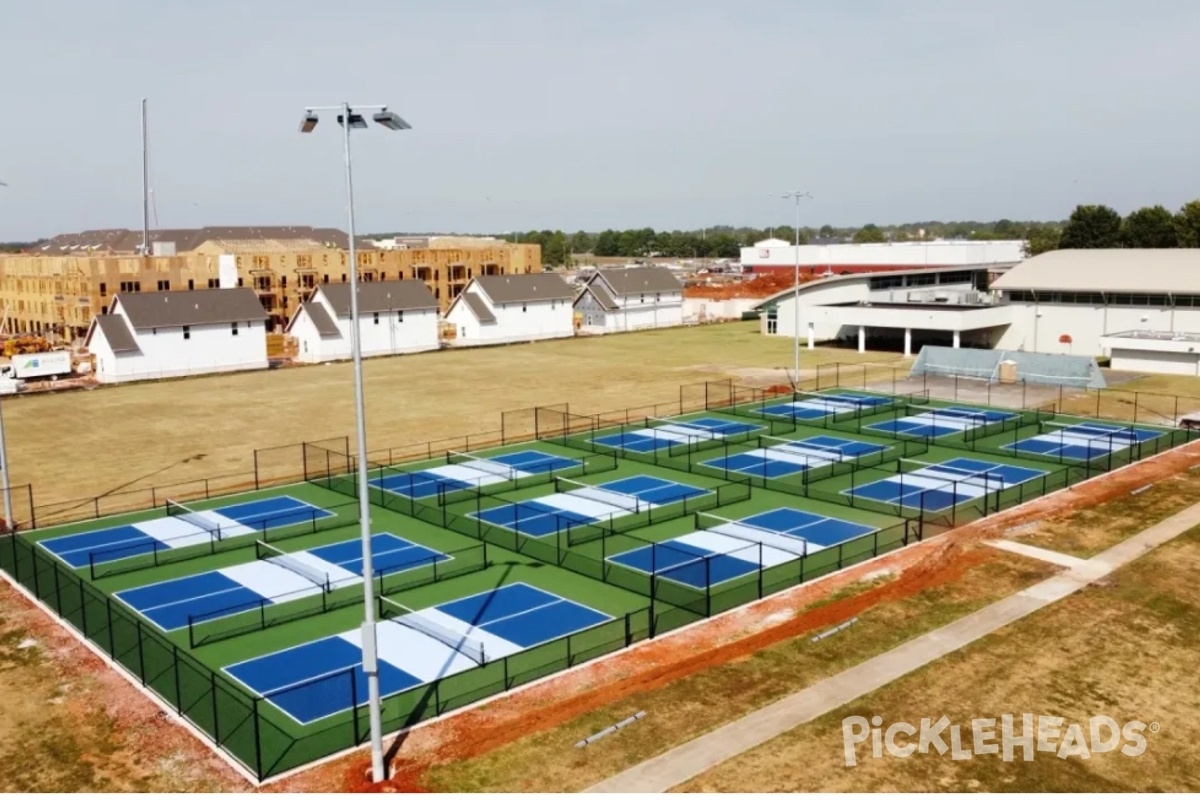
8, 520
797, 195
145, 187
352, 117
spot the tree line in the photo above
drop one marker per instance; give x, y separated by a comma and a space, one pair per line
1098, 226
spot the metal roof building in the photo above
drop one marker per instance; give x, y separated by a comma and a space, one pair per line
1139, 307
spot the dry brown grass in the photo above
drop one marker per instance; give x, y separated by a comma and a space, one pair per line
1125, 648
68, 722
698, 703
1089, 531
77, 444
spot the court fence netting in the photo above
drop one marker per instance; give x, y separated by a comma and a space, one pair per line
251, 730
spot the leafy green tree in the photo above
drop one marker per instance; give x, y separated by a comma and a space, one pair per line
1091, 227
1152, 226
582, 242
554, 247
1041, 239
826, 231
607, 244
1187, 225
869, 233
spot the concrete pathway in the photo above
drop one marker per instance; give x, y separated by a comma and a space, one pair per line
699, 755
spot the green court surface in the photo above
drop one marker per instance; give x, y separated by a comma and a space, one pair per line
592, 538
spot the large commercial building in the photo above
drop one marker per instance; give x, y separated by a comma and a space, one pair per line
771, 255
57, 288
1140, 307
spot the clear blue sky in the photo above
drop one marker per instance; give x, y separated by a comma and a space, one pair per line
557, 114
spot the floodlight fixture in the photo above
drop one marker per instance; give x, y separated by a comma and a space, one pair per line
309, 122
391, 120
356, 120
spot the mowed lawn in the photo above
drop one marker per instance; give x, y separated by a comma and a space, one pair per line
84, 443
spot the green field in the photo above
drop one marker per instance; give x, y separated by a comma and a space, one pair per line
596, 560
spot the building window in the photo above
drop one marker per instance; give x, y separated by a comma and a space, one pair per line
376, 315
524, 307
261, 262
213, 283
104, 290
233, 328
304, 262
400, 316
191, 284
343, 277
187, 332
164, 286
773, 320
283, 281
657, 297
241, 283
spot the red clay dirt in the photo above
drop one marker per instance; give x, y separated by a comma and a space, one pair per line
722, 640
763, 285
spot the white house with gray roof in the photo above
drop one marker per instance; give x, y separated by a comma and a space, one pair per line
630, 299
149, 335
499, 309
394, 317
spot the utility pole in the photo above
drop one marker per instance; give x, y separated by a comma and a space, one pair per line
796, 195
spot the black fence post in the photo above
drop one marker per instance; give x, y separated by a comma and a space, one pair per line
256, 482
178, 688
137, 623
216, 718
112, 641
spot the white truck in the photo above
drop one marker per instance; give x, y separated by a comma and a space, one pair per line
23, 366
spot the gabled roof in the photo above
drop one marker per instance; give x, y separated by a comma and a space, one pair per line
602, 295
523, 288
478, 307
320, 318
200, 307
638, 280
374, 296
116, 333
1135, 271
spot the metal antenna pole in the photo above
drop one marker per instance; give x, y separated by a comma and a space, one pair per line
796, 293
370, 654
8, 520
145, 187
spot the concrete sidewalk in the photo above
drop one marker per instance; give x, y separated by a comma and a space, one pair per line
699, 755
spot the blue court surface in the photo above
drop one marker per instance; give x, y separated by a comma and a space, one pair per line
1084, 441
312, 681
587, 505
231, 590
139, 538
467, 473
647, 440
732, 549
824, 405
791, 457
937, 487
941, 421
